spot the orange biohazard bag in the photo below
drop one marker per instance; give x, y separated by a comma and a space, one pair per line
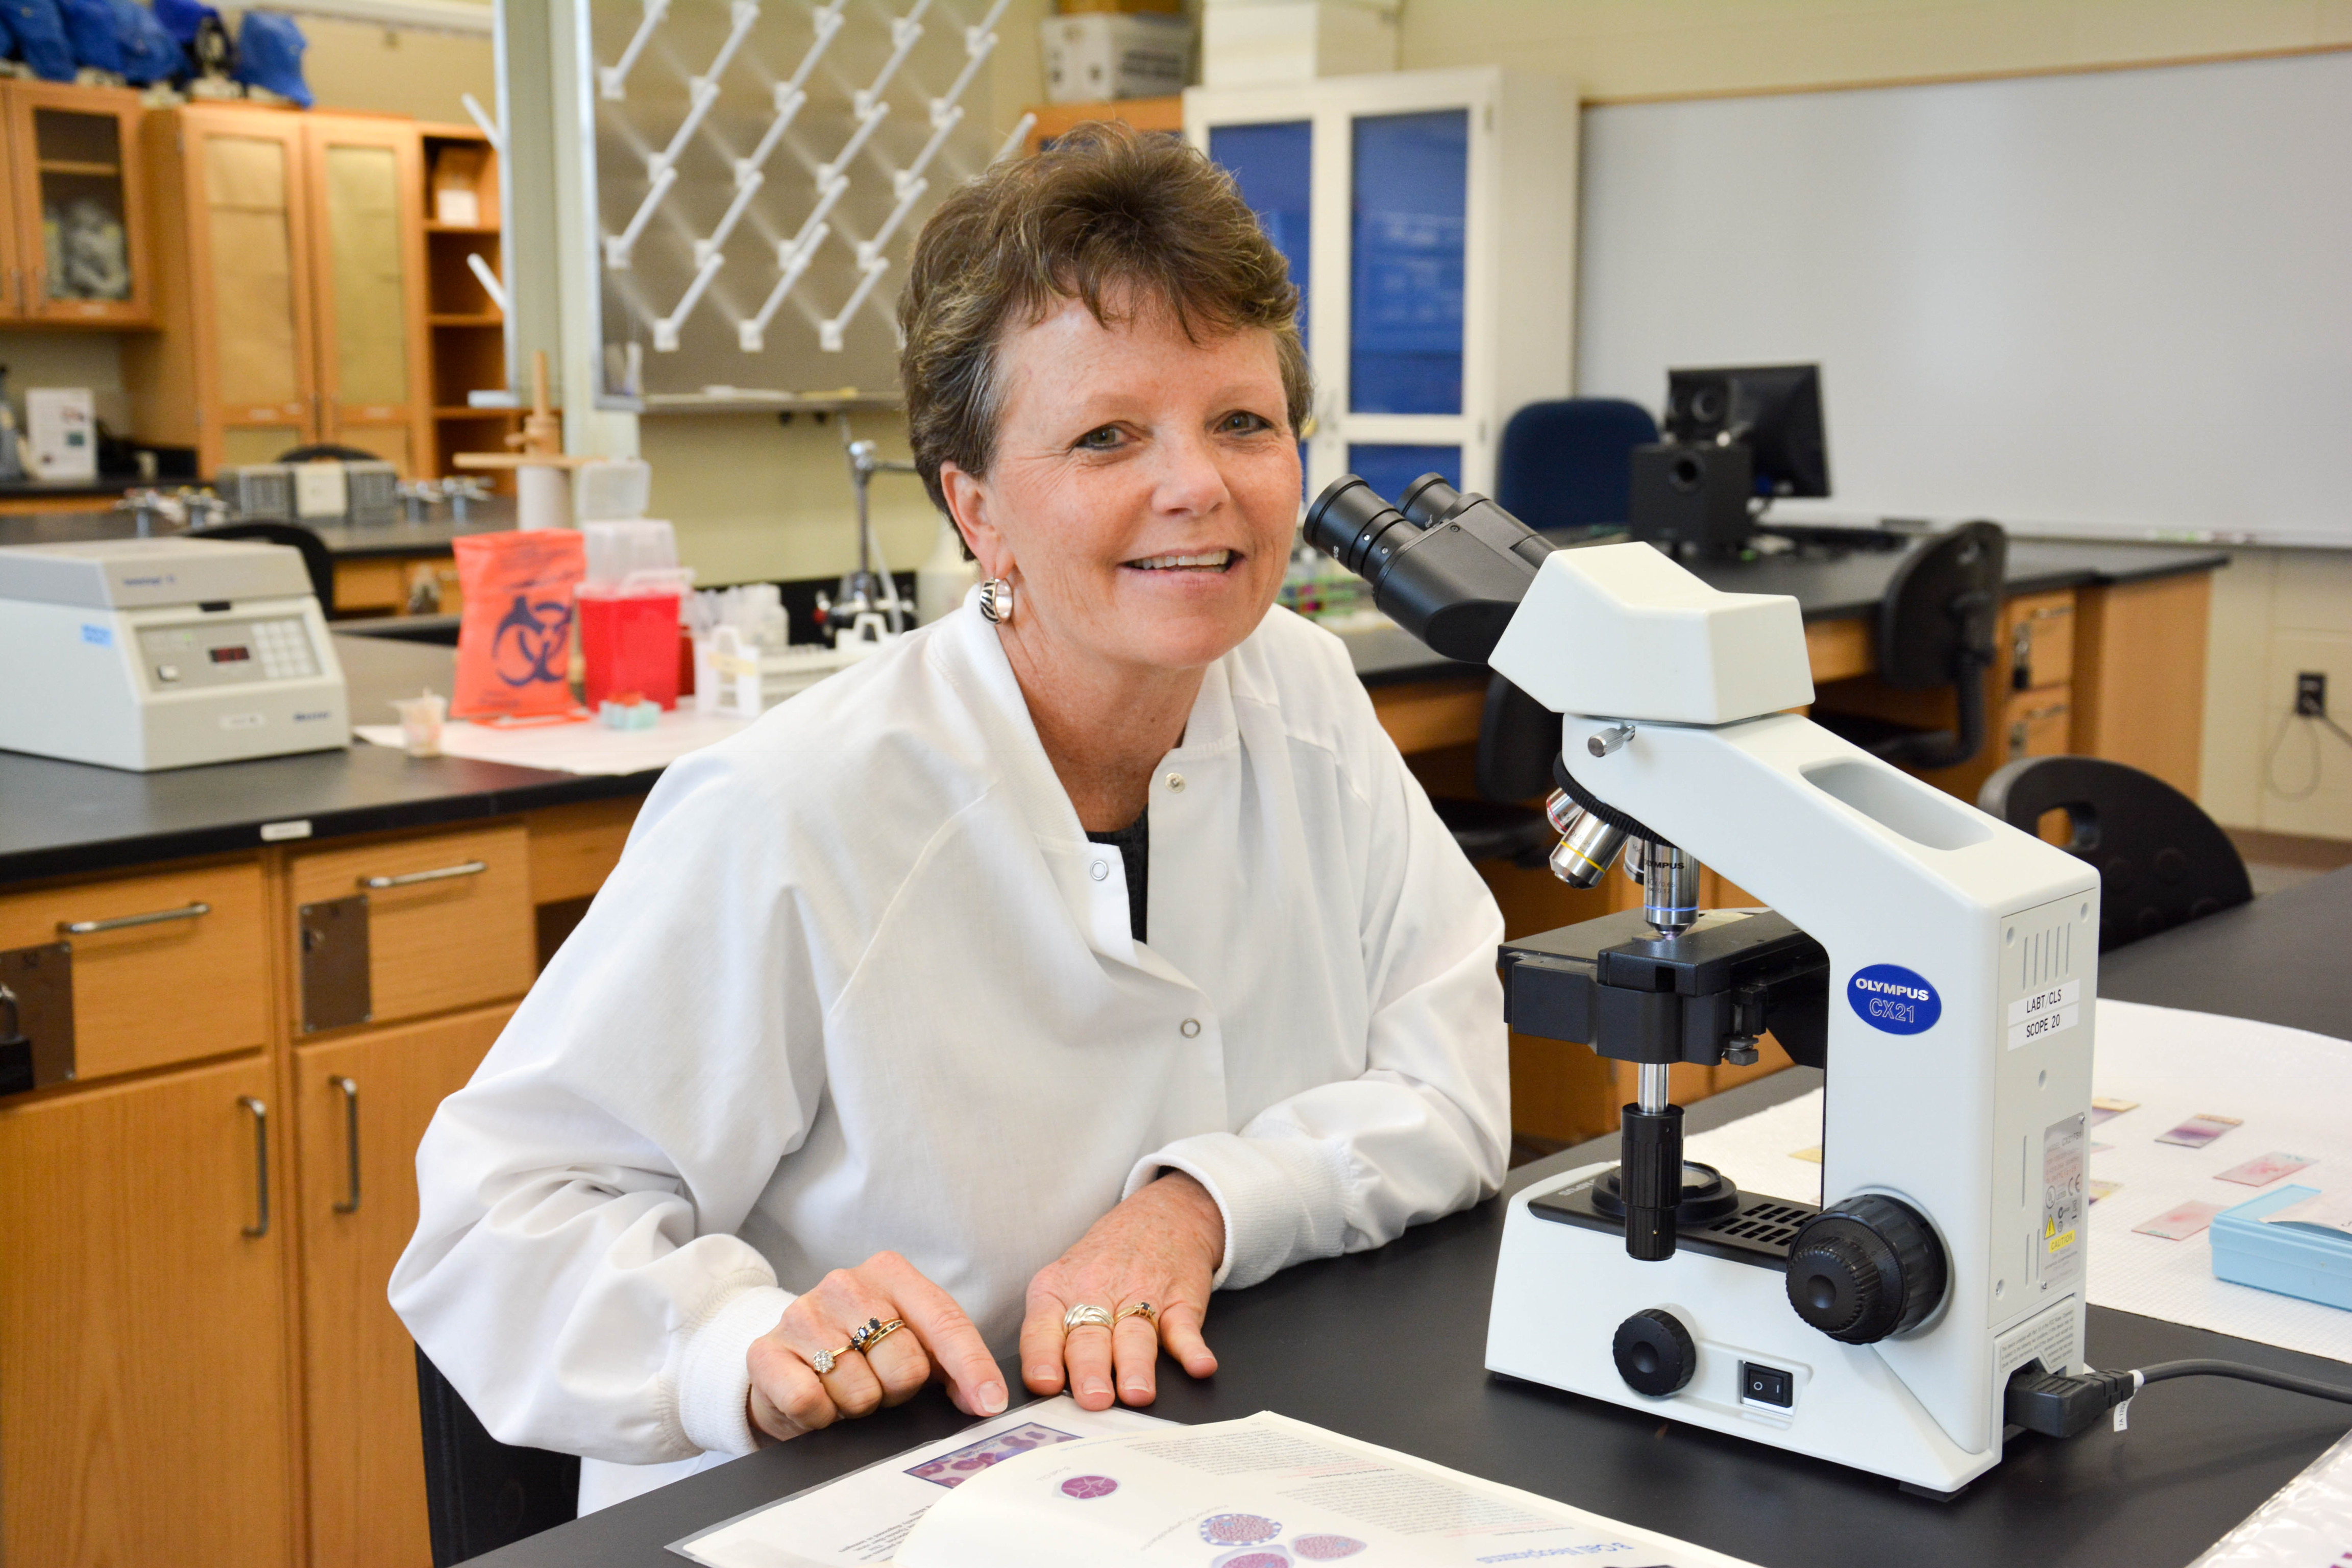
514, 636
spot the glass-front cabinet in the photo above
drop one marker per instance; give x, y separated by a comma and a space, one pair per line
1431, 307
74, 187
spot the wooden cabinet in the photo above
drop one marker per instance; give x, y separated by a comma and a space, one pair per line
448, 917
361, 1105
144, 1416
143, 946
73, 193
291, 271
367, 266
465, 329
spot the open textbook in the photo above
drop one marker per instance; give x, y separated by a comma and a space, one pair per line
1263, 1492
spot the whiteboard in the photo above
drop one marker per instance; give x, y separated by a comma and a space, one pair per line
2117, 303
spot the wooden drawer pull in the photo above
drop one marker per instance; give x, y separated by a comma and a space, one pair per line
410, 878
119, 923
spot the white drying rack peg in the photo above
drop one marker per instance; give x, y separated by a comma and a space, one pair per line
751, 336
866, 126
665, 329
748, 177
612, 81
617, 247
979, 43
702, 91
869, 250
489, 127
904, 32
912, 174
491, 286
980, 30
1011, 143
828, 333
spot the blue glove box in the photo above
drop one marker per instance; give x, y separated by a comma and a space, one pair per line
2292, 1259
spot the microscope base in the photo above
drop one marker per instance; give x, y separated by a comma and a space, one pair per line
1562, 1290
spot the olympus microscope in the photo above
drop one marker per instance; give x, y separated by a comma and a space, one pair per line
1939, 963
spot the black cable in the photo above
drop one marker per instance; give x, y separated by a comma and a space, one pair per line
2240, 1370
2057, 1404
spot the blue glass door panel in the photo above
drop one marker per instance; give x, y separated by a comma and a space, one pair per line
1390, 468
1275, 167
1411, 181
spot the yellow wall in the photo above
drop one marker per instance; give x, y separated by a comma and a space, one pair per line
395, 71
1637, 48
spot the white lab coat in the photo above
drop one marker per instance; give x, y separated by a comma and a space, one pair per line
860, 981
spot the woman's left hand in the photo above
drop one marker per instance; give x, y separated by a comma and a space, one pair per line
1161, 1247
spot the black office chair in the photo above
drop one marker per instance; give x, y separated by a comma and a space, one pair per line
1936, 628
1567, 462
481, 1494
2162, 862
327, 451
1517, 737
316, 558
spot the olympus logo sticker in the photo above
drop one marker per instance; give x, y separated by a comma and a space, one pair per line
1890, 997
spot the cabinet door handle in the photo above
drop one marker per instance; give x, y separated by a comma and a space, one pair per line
120, 923
260, 1227
350, 1093
439, 873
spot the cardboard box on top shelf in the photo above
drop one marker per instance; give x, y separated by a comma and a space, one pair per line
1106, 55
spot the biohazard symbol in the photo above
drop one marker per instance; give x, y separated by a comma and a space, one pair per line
532, 642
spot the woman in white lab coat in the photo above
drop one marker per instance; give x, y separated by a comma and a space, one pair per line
1076, 956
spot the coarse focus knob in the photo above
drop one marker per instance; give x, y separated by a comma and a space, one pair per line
1653, 1352
1866, 1268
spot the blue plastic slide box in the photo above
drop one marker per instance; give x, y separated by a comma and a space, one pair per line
2302, 1260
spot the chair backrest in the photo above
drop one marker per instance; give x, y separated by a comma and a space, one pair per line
2162, 862
481, 1494
1941, 607
328, 450
1568, 463
317, 560
1517, 738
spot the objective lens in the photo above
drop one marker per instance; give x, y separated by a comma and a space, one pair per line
1585, 850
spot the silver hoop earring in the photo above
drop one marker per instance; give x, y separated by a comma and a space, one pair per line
996, 601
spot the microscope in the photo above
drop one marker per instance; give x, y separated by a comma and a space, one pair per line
1938, 964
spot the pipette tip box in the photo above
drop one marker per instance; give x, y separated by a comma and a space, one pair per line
2309, 1261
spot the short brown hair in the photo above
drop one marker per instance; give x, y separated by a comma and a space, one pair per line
1106, 209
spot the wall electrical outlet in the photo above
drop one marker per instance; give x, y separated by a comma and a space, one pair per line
2311, 694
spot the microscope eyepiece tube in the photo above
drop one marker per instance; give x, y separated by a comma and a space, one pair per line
1430, 500
1350, 524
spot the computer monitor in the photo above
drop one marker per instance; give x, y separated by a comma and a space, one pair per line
1774, 410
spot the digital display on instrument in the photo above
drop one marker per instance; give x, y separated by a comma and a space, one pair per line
230, 655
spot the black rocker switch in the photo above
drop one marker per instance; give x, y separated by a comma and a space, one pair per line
1761, 1384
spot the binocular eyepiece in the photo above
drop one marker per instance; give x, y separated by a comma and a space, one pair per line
1448, 567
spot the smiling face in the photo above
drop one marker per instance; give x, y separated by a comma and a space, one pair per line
1142, 491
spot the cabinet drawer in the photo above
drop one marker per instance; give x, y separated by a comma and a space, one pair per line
147, 992
2037, 724
446, 917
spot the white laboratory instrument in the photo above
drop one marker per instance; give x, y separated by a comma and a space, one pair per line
164, 653
1940, 964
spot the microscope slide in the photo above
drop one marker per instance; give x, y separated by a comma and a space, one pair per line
2199, 1130
2180, 1224
2261, 1171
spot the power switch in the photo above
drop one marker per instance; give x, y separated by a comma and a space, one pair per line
1761, 1384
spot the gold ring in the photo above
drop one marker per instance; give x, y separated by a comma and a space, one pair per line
1083, 1316
1143, 1309
825, 1361
873, 1334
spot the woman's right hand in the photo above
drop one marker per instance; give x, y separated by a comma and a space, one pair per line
790, 1397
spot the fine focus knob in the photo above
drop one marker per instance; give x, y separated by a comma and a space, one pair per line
1654, 1351
1866, 1268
